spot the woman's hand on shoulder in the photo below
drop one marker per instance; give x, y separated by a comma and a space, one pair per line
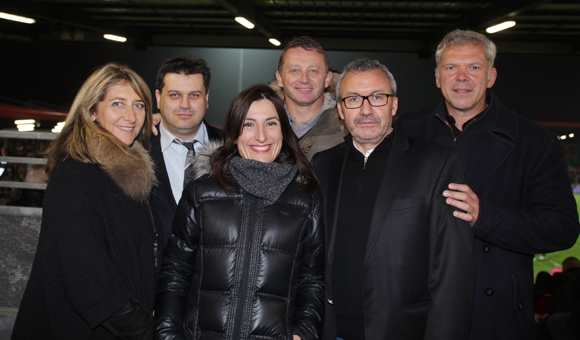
296, 337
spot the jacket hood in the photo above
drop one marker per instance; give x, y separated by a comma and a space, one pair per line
131, 169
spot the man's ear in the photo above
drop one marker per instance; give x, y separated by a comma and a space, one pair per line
279, 78
395, 106
157, 96
328, 79
492, 78
437, 78
207, 100
339, 107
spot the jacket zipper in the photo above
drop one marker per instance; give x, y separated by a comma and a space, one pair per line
451, 128
247, 252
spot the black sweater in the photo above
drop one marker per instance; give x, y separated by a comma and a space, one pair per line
360, 185
95, 254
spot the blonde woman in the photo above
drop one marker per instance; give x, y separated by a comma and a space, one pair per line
93, 276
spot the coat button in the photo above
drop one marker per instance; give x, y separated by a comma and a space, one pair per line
486, 248
489, 292
520, 306
330, 301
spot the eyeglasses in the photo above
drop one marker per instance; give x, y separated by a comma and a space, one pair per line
375, 99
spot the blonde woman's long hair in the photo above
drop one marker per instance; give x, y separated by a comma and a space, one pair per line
81, 135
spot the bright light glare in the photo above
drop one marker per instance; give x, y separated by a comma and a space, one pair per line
114, 37
24, 121
571, 135
500, 27
58, 127
25, 127
274, 42
13, 17
244, 22
562, 137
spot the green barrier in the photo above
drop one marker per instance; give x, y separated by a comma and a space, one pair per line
547, 262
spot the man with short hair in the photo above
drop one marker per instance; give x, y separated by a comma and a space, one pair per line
398, 264
182, 93
517, 197
303, 74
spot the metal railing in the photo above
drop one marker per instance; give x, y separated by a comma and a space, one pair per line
23, 160
19, 229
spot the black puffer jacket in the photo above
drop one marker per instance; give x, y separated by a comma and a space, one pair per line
237, 268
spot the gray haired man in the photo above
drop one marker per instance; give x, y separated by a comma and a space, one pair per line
517, 198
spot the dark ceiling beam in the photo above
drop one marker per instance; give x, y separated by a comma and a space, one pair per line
203, 21
280, 21
68, 16
348, 28
318, 11
499, 12
350, 20
479, 20
176, 8
373, 15
137, 5
240, 8
150, 17
265, 10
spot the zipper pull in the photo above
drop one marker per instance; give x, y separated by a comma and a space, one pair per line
365, 164
155, 248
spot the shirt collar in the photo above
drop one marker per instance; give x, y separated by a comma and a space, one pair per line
367, 154
383, 145
167, 137
479, 117
307, 125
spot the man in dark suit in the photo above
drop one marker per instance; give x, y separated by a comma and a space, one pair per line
182, 93
517, 199
398, 264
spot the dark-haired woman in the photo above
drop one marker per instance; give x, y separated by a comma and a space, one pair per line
246, 257
93, 275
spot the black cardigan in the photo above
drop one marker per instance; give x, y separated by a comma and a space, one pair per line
95, 254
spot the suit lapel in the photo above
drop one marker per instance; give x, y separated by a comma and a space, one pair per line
336, 169
393, 176
489, 155
213, 134
164, 187
496, 145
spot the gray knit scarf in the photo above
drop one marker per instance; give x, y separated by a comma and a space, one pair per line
263, 180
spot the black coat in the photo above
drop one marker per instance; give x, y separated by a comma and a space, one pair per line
95, 254
235, 269
418, 274
526, 208
162, 200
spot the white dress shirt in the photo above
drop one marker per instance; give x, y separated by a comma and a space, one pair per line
174, 156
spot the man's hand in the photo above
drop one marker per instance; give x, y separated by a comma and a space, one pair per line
295, 337
156, 120
462, 197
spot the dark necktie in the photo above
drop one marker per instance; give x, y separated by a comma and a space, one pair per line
188, 173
